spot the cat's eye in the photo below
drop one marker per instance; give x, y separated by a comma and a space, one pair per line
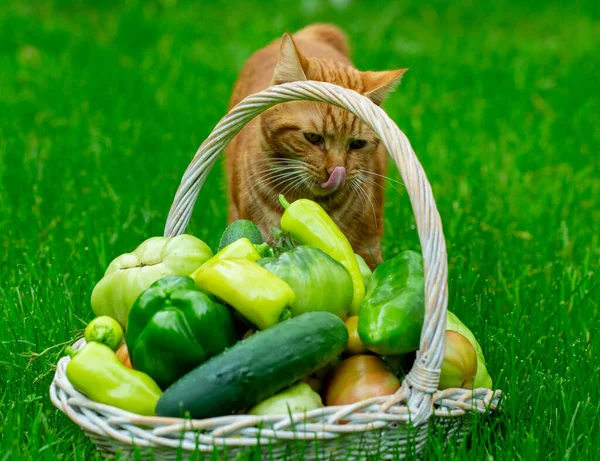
314, 138
357, 144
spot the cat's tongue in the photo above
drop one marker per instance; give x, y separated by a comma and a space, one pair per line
336, 180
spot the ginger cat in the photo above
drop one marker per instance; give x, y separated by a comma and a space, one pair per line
310, 150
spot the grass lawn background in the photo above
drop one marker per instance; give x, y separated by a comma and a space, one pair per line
102, 108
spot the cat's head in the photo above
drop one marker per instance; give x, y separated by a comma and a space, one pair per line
316, 149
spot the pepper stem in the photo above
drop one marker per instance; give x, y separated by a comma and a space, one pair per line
71, 351
286, 314
284, 203
262, 249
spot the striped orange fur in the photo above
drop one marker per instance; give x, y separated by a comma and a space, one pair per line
307, 149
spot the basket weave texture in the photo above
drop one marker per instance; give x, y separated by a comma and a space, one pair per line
393, 425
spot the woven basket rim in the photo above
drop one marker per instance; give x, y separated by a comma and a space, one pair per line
239, 430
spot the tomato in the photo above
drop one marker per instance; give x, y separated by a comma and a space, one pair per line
482, 378
123, 355
460, 362
319, 281
358, 378
105, 330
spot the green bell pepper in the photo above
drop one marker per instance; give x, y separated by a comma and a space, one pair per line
392, 313
261, 297
96, 372
308, 223
319, 281
174, 327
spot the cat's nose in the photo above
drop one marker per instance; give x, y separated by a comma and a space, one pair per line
337, 179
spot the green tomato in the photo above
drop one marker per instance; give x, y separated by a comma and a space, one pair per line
319, 281
105, 330
130, 274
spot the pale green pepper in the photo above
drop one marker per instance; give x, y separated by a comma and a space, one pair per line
242, 248
260, 296
96, 372
239, 249
131, 273
307, 222
298, 398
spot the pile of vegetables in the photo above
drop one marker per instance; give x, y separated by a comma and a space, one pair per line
259, 329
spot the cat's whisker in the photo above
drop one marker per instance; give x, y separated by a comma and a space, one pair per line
356, 189
392, 182
282, 171
278, 165
278, 171
279, 159
281, 176
294, 184
370, 181
273, 181
306, 183
359, 182
274, 165
289, 177
386, 178
305, 178
358, 192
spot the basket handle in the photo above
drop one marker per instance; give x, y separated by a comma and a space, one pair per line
423, 378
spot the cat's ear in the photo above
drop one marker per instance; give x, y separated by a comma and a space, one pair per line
379, 84
291, 66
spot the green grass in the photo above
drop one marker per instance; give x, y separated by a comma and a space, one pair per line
103, 106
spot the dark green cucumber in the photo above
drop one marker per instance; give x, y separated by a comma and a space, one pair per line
257, 367
240, 229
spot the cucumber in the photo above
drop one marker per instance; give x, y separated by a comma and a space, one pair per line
256, 368
240, 229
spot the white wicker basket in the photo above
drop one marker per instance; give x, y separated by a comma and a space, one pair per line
391, 426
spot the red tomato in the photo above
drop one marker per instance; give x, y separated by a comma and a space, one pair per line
358, 378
